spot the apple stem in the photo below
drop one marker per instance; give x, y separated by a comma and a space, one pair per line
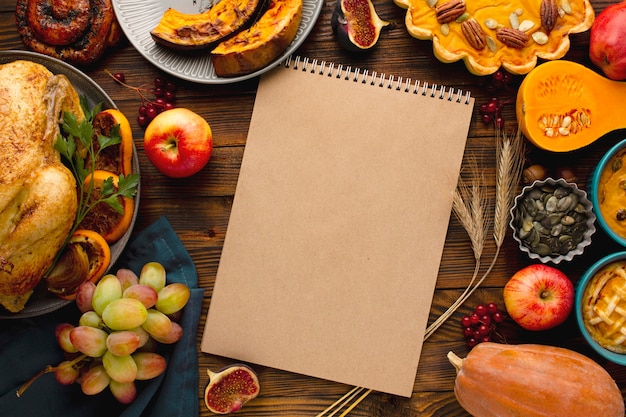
545, 294
169, 145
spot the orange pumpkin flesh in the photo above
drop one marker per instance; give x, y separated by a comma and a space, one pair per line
186, 31
533, 381
263, 42
563, 106
102, 218
117, 159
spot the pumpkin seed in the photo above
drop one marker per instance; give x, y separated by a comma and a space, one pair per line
514, 20
540, 37
526, 25
491, 44
462, 18
491, 23
550, 220
566, 6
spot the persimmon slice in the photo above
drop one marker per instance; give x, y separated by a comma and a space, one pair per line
102, 218
97, 249
117, 158
99, 258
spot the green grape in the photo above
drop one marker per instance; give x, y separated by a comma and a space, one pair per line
108, 289
120, 368
91, 319
149, 365
143, 335
124, 314
127, 278
123, 342
172, 298
90, 341
62, 334
84, 295
153, 274
151, 345
94, 380
157, 323
142, 292
174, 335
124, 392
66, 373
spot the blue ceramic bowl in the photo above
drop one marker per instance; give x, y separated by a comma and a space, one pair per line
593, 190
615, 357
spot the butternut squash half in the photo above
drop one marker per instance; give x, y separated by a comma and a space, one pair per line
184, 32
563, 106
264, 41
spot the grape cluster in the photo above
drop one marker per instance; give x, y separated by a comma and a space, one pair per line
481, 324
124, 318
164, 93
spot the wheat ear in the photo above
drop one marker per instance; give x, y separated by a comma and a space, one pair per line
510, 160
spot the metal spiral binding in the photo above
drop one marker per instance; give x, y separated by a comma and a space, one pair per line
407, 85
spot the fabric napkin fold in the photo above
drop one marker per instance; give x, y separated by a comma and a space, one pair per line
28, 345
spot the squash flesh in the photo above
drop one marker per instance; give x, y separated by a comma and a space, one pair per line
558, 89
497, 380
263, 42
183, 31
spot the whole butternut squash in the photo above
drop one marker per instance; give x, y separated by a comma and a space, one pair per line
529, 380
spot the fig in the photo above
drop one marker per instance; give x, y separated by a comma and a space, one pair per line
356, 24
230, 388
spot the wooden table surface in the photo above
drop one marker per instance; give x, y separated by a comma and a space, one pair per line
198, 207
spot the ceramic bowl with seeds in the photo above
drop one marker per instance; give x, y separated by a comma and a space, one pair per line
552, 220
608, 192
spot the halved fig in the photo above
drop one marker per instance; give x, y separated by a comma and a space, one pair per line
356, 24
230, 388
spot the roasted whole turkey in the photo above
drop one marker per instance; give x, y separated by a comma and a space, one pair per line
38, 199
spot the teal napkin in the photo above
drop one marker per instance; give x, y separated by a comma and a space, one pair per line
28, 346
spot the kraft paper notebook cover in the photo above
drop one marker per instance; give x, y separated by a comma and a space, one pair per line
338, 225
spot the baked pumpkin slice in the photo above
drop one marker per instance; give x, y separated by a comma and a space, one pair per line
188, 31
264, 41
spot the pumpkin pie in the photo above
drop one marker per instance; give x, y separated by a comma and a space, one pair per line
489, 34
604, 307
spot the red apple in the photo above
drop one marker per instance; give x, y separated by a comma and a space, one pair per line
607, 41
178, 142
539, 297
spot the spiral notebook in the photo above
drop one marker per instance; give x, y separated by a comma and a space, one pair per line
338, 224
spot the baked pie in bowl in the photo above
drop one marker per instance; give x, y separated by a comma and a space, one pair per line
601, 307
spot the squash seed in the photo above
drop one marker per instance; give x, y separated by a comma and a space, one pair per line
514, 20
491, 23
540, 38
526, 25
491, 44
566, 6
